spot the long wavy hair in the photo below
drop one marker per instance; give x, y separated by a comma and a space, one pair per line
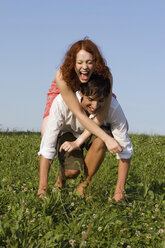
68, 67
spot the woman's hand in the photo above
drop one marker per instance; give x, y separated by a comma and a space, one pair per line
112, 145
68, 146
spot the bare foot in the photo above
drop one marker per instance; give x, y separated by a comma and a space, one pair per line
80, 188
60, 183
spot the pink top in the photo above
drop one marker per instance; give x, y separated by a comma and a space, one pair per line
53, 92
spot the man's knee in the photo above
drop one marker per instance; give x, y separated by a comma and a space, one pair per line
98, 145
71, 173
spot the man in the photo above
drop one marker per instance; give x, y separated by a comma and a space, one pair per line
63, 126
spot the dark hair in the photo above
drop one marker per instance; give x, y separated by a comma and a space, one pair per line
97, 86
67, 68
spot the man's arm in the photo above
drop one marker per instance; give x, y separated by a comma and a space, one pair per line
123, 169
119, 129
44, 168
54, 125
48, 146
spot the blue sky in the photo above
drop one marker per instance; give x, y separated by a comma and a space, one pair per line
35, 34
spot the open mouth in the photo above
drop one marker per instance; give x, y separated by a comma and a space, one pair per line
84, 76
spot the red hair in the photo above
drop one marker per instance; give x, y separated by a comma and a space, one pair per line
68, 71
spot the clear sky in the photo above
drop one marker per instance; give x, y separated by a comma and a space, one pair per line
35, 34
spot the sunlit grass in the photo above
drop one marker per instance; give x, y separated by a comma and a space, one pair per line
64, 220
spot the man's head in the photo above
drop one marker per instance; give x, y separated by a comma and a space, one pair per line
94, 94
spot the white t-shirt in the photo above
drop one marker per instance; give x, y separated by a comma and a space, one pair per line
61, 120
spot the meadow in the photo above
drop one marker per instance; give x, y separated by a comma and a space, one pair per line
63, 219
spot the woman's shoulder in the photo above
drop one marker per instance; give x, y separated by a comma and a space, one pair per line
61, 84
58, 75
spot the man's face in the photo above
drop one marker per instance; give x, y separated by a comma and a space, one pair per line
91, 104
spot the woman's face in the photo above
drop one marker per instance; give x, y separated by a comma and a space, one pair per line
84, 65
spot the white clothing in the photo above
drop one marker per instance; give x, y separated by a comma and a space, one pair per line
61, 120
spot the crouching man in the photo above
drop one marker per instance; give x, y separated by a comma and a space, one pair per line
62, 132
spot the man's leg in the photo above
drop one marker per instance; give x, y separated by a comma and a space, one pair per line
60, 183
93, 160
64, 175
123, 169
71, 162
94, 157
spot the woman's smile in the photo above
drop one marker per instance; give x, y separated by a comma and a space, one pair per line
84, 65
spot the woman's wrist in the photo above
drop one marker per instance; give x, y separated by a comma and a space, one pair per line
78, 141
106, 137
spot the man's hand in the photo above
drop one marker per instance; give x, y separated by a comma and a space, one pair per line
68, 146
113, 146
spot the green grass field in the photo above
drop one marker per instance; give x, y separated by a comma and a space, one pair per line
63, 219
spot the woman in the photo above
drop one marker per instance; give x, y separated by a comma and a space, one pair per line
80, 62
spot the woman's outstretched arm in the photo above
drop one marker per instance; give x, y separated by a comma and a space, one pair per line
73, 104
69, 146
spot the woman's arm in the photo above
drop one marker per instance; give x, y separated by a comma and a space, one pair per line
69, 146
103, 112
101, 116
73, 104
